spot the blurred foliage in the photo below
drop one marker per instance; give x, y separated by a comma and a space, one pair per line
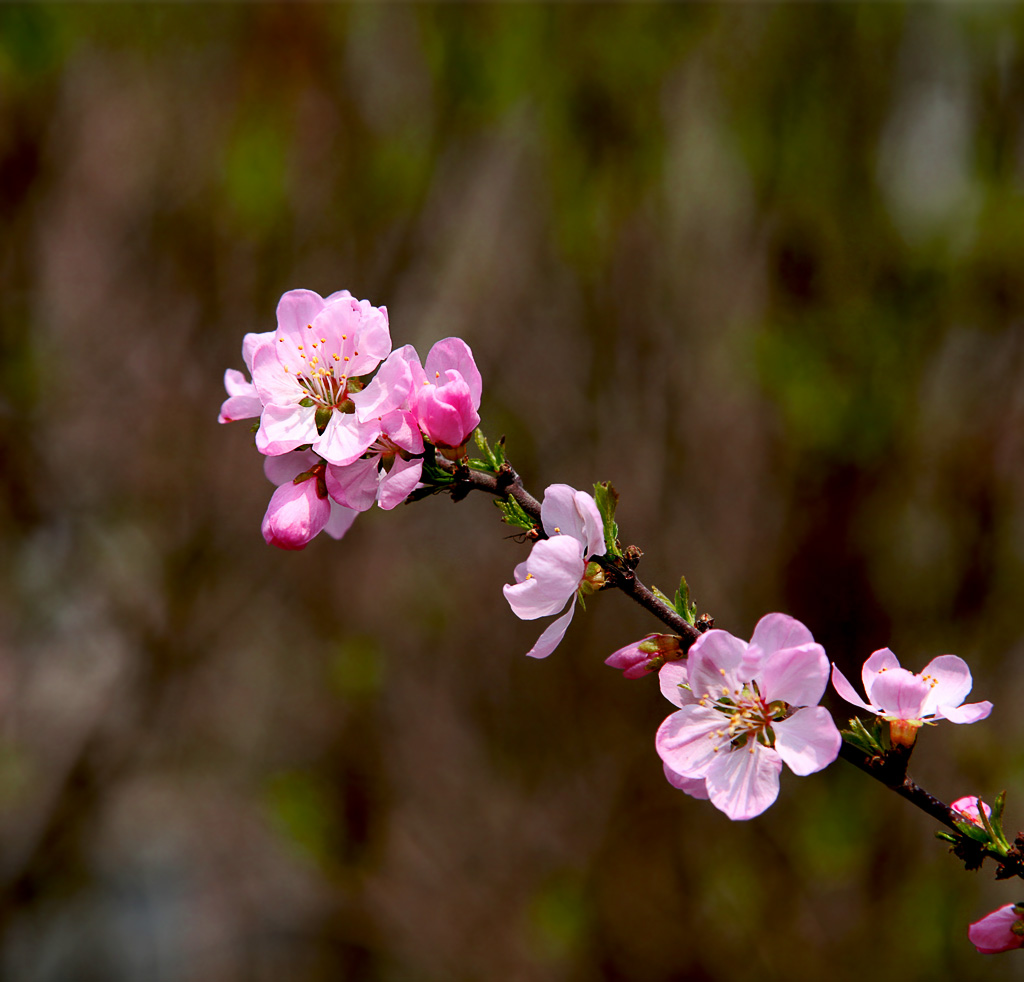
757, 265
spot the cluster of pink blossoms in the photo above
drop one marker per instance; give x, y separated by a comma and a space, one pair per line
337, 440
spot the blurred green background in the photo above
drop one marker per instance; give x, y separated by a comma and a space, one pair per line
759, 266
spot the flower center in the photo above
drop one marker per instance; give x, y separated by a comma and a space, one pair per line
749, 715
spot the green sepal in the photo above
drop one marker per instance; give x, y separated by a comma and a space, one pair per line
971, 831
607, 499
512, 513
432, 474
492, 459
686, 610
306, 403
322, 418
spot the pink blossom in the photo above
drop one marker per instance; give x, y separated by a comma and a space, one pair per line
243, 401
305, 376
899, 695
967, 809
556, 567
1002, 930
300, 509
745, 710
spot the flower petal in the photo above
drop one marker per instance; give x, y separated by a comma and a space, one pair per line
397, 483
283, 428
286, 467
950, 681
691, 740
354, 485
970, 712
695, 787
842, 685
345, 439
808, 740
745, 782
879, 661
777, 631
714, 661
552, 635
340, 521
795, 675
550, 576
673, 674
899, 693
455, 353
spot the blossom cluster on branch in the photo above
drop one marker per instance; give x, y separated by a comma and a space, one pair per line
345, 422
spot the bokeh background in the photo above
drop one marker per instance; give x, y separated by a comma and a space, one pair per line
759, 266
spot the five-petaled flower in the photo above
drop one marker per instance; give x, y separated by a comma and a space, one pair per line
1002, 930
745, 709
556, 568
306, 375
907, 699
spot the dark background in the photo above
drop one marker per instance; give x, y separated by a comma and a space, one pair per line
759, 266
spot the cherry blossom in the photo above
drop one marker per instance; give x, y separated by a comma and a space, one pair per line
1002, 930
556, 568
745, 710
300, 508
305, 376
907, 699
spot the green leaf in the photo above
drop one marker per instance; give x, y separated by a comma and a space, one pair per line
662, 597
684, 608
607, 499
512, 513
494, 458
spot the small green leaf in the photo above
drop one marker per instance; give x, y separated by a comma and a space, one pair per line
684, 608
512, 513
494, 458
662, 597
607, 499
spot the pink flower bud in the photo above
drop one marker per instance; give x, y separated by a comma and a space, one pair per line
445, 410
296, 514
1002, 930
967, 809
646, 656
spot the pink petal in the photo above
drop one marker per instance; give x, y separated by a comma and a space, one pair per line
795, 675
970, 712
340, 521
296, 309
455, 353
251, 342
713, 662
286, 467
673, 674
275, 385
744, 782
401, 429
695, 787
994, 932
950, 681
899, 693
842, 685
878, 661
548, 578
691, 740
283, 428
808, 740
552, 635
345, 439
354, 485
777, 631
398, 483
391, 387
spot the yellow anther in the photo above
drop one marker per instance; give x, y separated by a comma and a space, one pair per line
300, 347
309, 327
721, 672
336, 356
323, 340
346, 357
529, 576
344, 337
557, 529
